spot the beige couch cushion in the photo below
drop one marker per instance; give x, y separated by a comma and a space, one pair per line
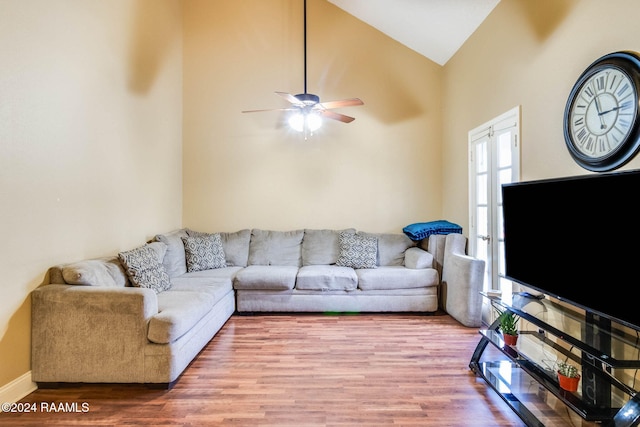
321, 247
174, 260
182, 307
396, 277
216, 274
276, 247
326, 278
273, 277
236, 247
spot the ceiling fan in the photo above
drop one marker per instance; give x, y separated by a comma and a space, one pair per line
306, 109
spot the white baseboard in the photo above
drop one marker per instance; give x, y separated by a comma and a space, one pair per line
17, 389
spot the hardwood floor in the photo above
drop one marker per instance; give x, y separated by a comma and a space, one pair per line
301, 370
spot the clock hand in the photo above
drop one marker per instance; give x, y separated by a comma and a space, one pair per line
608, 111
597, 104
602, 125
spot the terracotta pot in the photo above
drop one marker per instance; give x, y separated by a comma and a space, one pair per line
569, 384
510, 339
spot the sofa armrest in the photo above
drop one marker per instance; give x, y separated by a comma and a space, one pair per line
462, 279
417, 258
90, 334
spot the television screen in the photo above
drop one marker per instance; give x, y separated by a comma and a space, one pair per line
577, 239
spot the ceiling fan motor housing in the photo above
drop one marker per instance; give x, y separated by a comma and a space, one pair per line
308, 98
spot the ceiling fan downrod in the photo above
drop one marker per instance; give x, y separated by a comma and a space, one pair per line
305, 46
307, 98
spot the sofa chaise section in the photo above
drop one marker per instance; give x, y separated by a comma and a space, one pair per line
92, 328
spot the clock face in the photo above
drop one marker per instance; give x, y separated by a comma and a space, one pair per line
602, 117
603, 112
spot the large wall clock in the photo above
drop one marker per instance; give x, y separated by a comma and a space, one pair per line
601, 119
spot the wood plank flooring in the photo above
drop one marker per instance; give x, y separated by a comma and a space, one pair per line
301, 370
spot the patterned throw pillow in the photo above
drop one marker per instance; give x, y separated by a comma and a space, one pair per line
357, 251
204, 252
145, 269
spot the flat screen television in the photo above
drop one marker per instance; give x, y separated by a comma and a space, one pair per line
577, 239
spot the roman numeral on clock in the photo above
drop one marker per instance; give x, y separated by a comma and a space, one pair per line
582, 134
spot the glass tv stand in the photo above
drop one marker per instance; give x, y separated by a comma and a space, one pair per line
524, 376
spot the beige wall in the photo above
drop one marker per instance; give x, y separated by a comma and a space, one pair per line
90, 141
378, 173
528, 53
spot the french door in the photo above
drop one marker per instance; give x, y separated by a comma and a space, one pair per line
494, 159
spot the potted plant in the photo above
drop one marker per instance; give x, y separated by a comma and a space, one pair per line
568, 376
509, 326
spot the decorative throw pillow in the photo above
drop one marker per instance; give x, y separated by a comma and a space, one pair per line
145, 269
204, 252
357, 251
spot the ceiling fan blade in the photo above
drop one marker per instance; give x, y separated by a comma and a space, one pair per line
292, 99
342, 103
337, 116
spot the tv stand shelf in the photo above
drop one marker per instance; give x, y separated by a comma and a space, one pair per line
603, 349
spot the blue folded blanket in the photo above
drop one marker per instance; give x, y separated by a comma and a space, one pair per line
422, 230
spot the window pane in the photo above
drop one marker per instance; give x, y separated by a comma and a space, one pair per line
481, 190
482, 221
481, 157
504, 150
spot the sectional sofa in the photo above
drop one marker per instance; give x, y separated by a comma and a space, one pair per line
143, 315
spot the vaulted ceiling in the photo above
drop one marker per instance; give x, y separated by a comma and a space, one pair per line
433, 28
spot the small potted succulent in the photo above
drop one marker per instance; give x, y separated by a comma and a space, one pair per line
509, 326
568, 376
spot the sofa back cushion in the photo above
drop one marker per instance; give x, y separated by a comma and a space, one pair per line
321, 247
174, 259
391, 248
95, 272
236, 247
276, 247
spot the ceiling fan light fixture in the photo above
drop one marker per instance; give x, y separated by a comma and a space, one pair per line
305, 121
306, 112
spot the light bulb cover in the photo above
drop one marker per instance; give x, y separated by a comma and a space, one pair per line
301, 121
296, 122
